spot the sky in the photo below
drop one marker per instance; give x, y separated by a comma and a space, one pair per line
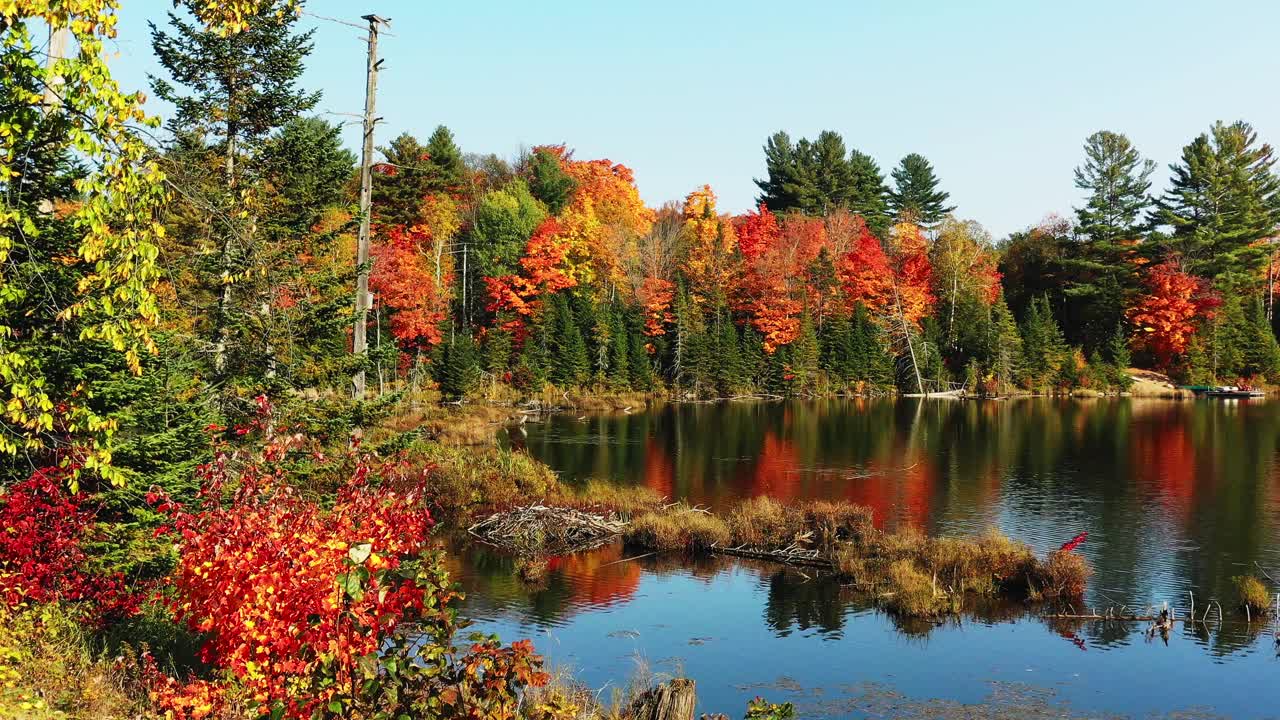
999, 95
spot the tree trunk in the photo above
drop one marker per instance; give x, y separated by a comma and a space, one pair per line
673, 700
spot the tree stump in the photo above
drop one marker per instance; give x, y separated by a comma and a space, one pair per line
673, 700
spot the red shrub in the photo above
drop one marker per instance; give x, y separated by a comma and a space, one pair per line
42, 527
303, 607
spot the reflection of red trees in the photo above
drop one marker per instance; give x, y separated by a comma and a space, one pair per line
777, 469
1164, 461
897, 494
597, 578
659, 473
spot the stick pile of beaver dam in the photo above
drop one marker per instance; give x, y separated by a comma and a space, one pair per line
905, 571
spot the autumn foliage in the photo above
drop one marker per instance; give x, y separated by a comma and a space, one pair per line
305, 608
403, 277
42, 559
1165, 317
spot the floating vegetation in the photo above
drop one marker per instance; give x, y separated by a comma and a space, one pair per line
905, 571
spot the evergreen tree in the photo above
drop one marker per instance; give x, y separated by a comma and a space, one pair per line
1118, 358
1224, 197
309, 169
1004, 352
570, 363
869, 196
1226, 339
1117, 179
445, 170
1259, 353
1044, 350
804, 357
639, 362
236, 87
752, 357
497, 348
818, 176
783, 187
727, 369
835, 341
548, 181
458, 368
230, 93
619, 344
833, 178
404, 179
1100, 271
915, 193
411, 171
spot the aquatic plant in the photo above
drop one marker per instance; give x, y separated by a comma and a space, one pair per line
1253, 594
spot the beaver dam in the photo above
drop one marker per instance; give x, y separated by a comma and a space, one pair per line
908, 573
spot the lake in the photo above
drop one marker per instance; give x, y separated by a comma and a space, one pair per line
1177, 497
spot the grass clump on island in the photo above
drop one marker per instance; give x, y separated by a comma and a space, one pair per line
909, 573
1254, 596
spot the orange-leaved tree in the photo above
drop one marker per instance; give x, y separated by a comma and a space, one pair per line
1166, 316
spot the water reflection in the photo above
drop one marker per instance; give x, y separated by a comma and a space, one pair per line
1176, 496
740, 625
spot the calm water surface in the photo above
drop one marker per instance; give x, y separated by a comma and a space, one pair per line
1176, 497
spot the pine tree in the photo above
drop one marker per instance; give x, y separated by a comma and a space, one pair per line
869, 197
497, 348
752, 357
727, 369
1260, 354
404, 179
804, 357
1004, 353
309, 168
619, 344
1117, 179
1224, 197
1044, 350
915, 193
783, 188
833, 178
230, 93
570, 364
1118, 358
1226, 339
547, 179
458, 369
237, 87
834, 340
639, 362
1100, 271
445, 170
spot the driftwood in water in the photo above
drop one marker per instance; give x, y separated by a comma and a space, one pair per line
542, 529
791, 555
673, 700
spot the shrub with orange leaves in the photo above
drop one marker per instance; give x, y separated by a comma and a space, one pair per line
307, 610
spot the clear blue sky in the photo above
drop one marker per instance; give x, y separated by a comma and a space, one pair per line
998, 94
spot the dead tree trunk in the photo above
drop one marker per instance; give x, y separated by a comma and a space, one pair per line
673, 700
